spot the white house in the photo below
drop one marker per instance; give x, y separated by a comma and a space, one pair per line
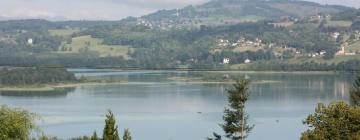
335, 35
247, 61
226, 60
322, 52
30, 41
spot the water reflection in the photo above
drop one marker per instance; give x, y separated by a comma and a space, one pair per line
278, 103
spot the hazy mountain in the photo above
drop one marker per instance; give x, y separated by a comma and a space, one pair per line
242, 10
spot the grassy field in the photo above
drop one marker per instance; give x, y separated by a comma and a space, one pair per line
64, 32
340, 23
246, 48
355, 47
88, 43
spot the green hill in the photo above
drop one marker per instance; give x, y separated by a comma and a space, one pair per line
235, 11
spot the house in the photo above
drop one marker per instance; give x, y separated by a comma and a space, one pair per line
350, 53
249, 42
247, 61
322, 52
335, 35
226, 60
30, 41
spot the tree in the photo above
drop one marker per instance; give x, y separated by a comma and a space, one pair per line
110, 130
235, 124
16, 123
127, 135
94, 136
355, 92
216, 137
337, 121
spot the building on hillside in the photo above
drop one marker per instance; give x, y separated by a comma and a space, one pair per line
30, 41
335, 35
226, 60
350, 53
247, 61
322, 52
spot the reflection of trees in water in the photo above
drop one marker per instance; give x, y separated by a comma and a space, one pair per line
60, 92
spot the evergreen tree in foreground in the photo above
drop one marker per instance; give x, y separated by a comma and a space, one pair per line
127, 135
355, 92
94, 136
110, 130
235, 124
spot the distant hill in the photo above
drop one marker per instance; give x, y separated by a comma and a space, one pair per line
229, 11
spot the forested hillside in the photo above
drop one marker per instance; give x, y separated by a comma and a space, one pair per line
219, 12
322, 38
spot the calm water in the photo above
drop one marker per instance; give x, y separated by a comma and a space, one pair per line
156, 108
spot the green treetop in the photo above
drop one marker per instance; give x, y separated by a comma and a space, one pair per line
338, 121
110, 130
127, 135
235, 124
355, 92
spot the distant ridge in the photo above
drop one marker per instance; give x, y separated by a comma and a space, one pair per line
229, 11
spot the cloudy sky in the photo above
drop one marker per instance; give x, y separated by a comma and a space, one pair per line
101, 9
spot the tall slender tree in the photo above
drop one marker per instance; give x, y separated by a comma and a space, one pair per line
235, 124
110, 130
355, 92
94, 136
127, 135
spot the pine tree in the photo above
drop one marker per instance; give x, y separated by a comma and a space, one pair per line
94, 136
127, 135
110, 130
236, 125
355, 92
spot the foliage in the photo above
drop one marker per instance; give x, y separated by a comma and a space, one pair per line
110, 130
127, 135
355, 92
94, 136
189, 40
44, 137
16, 124
33, 76
350, 65
235, 124
337, 121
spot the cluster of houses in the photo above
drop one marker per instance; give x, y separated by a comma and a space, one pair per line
168, 24
355, 34
317, 54
240, 42
227, 61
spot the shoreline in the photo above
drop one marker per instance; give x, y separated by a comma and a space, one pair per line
52, 87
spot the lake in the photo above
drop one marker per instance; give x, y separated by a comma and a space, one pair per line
166, 105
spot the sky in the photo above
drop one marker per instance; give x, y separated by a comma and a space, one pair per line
102, 9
